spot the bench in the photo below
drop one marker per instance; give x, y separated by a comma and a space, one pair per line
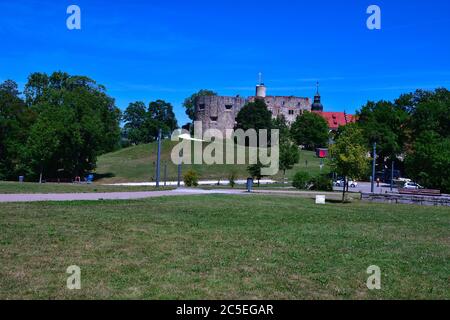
420, 192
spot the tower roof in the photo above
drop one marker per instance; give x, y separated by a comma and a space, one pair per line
317, 105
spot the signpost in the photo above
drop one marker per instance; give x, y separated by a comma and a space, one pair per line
374, 166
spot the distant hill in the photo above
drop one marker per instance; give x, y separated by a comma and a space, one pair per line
137, 164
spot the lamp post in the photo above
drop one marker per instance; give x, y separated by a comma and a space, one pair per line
158, 159
374, 166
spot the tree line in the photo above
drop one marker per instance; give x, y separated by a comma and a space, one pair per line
56, 128
412, 132
61, 123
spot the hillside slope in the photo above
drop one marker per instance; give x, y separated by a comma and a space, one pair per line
137, 164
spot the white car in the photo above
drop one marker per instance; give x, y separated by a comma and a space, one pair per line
404, 180
412, 186
351, 183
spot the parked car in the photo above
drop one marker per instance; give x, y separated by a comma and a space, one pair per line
404, 180
412, 186
340, 183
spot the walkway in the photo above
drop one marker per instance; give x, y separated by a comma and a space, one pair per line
109, 195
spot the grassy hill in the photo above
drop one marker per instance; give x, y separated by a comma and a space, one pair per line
137, 164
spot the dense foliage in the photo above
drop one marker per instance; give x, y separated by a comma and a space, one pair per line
254, 115
59, 129
414, 128
348, 155
189, 103
301, 180
142, 124
310, 130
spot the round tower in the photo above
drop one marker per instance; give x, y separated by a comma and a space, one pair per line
261, 88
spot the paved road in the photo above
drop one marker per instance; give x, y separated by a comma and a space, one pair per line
365, 187
109, 195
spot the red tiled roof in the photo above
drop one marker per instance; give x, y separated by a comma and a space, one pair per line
337, 119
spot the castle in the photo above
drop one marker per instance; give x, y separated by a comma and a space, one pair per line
220, 112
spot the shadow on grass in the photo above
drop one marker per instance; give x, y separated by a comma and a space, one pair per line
99, 176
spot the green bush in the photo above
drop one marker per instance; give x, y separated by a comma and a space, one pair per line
232, 179
321, 183
190, 178
301, 180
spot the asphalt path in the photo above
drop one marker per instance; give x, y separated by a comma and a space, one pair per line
109, 195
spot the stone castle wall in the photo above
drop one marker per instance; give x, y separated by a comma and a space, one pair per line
289, 107
219, 112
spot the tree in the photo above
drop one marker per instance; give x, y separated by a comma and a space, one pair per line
134, 118
189, 103
289, 153
254, 115
15, 121
348, 156
289, 156
310, 130
142, 126
162, 112
385, 123
428, 154
281, 124
428, 163
255, 171
75, 122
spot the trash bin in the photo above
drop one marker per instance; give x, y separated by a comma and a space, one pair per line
21, 179
249, 184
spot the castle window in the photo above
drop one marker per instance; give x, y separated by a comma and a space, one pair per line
229, 107
214, 119
291, 112
201, 106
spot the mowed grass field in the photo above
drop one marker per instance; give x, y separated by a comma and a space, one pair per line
45, 188
137, 164
223, 247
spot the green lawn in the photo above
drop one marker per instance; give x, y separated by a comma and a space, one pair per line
223, 247
15, 187
138, 164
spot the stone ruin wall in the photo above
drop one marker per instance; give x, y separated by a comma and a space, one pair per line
216, 112
219, 112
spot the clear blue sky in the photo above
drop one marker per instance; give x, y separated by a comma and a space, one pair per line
147, 50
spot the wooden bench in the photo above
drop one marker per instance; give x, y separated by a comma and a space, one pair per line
420, 192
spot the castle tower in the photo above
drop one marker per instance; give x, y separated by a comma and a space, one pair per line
261, 88
317, 105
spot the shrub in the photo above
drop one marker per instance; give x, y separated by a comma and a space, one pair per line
190, 178
322, 182
232, 179
301, 180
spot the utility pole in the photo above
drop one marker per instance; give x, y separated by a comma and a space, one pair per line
158, 159
374, 166
392, 175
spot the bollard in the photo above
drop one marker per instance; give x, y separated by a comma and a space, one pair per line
249, 184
